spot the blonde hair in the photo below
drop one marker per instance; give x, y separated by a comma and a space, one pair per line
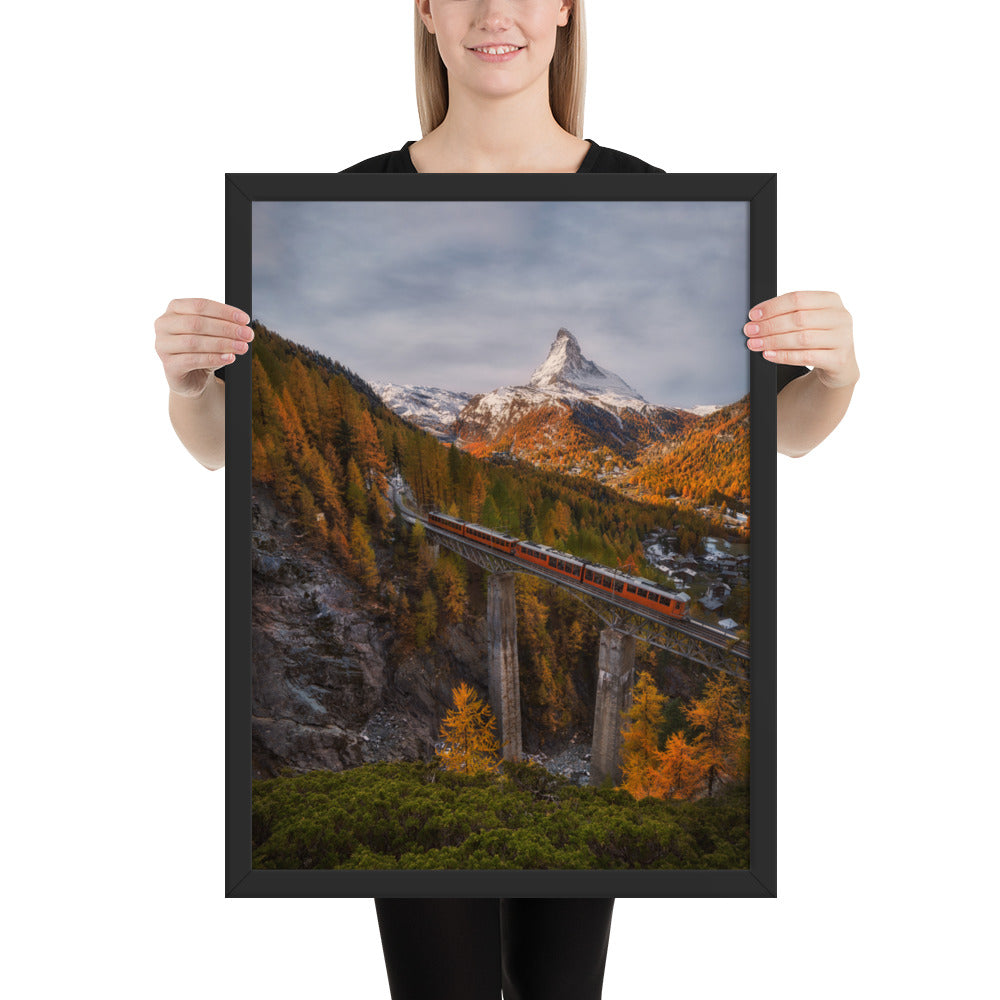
567, 74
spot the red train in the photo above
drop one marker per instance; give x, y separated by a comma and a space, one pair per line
633, 589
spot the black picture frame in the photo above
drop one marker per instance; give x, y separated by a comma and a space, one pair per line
758, 191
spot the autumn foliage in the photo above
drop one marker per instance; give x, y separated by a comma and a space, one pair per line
639, 752
710, 464
468, 731
721, 721
689, 764
325, 444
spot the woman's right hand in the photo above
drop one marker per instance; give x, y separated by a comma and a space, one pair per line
196, 336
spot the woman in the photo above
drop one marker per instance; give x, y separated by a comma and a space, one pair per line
500, 87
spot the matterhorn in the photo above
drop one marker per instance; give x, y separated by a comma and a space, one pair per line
570, 408
566, 370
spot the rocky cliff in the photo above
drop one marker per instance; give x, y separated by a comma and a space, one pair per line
327, 689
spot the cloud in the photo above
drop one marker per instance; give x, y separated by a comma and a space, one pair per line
469, 296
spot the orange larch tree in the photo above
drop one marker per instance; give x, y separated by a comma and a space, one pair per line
680, 774
368, 451
721, 716
640, 752
363, 555
468, 731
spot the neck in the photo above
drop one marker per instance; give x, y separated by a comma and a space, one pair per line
511, 134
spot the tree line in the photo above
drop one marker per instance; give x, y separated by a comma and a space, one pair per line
325, 443
685, 753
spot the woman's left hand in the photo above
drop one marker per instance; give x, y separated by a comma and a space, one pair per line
806, 328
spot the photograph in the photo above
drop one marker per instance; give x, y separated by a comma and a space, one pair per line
500, 535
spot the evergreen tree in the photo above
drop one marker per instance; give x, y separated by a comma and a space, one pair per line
490, 516
529, 525
737, 605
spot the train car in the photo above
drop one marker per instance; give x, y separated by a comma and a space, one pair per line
474, 532
551, 559
632, 589
446, 521
486, 536
636, 590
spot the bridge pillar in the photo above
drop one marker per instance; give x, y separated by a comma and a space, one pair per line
501, 638
615, 670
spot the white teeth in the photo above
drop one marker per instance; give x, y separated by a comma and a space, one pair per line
500, 50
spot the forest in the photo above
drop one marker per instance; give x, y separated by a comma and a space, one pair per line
326, 445
710, 465
683, 801
669, 750
421, 816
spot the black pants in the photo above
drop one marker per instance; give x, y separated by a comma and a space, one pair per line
466, 949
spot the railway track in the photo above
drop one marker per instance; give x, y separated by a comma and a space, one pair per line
497, 560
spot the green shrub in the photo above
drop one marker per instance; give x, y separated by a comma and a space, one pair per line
420, 816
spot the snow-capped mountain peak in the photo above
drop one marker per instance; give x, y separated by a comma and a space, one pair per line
566, 367
433, 409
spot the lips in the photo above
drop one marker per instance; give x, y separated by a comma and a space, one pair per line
496, 49
496, 53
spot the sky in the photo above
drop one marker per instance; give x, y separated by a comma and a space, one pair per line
469, 296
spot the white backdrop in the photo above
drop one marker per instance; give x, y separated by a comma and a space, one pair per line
120, 121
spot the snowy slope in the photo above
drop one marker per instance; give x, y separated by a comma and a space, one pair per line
571, 408
566, 372
569, 400
434, 410
564, 379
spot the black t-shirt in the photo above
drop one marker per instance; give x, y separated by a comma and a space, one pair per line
599, 160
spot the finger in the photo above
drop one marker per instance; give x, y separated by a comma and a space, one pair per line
791, 301
800, 319
180, 324
798, 341
814, 358
181, 364
192, 344
208, 307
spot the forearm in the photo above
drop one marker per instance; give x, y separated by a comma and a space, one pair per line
200, 423
808, 411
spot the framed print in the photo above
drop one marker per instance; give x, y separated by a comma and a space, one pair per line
499, 596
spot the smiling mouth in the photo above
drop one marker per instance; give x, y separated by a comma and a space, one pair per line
496, 50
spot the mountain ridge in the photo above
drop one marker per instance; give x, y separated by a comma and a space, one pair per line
572, 416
